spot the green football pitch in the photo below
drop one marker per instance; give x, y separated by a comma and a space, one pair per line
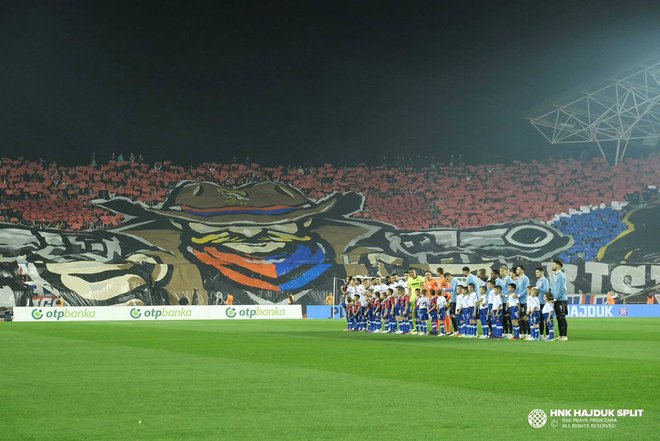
308, 379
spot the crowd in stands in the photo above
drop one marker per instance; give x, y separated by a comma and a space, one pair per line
591, 230
48, 195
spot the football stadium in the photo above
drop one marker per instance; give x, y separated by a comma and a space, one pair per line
330, 220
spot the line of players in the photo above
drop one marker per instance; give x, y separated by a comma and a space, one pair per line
393, 312
389, 308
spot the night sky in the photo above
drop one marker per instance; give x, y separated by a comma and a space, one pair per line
302, 82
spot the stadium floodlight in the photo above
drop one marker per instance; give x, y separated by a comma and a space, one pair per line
625, 109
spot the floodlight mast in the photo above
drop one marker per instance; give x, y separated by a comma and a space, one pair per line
626, 109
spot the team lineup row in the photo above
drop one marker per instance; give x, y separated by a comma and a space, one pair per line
502, 305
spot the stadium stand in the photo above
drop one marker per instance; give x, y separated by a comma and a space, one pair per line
584, 198
591, 230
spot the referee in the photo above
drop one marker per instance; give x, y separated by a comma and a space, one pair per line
453, 290
561, 298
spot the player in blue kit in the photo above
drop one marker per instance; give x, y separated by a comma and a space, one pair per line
423, 312
514, 311
433, 311
471, 301
490, 295
522, 283
528, 335
407, 314
469, 277
533, 307
549, 316
442, 314
466, 313
418, 322
482, 303
505, 279
496, 313
543, 286
560, 294
398, 308
459, 312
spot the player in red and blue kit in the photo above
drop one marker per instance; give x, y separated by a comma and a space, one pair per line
357, 314
369, 315
384, 311
391, 311
406, 311
376, 323
345, 306
364, 314
350, 314
403, 307
398, 308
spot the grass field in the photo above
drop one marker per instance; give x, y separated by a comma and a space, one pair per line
309, 380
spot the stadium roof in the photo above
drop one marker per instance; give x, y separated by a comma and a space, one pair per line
624, 109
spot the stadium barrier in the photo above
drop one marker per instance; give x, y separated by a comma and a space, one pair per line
325, 312
130, 313
614, 311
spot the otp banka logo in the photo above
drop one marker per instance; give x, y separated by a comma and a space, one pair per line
537, 418
136, 313
230, 312
37, 314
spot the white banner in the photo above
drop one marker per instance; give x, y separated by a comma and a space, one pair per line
254, 312
160, 312
53, 314
99, 313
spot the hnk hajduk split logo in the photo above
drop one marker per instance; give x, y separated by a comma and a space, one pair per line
537, 418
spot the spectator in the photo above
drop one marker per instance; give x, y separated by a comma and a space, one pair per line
48, 195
